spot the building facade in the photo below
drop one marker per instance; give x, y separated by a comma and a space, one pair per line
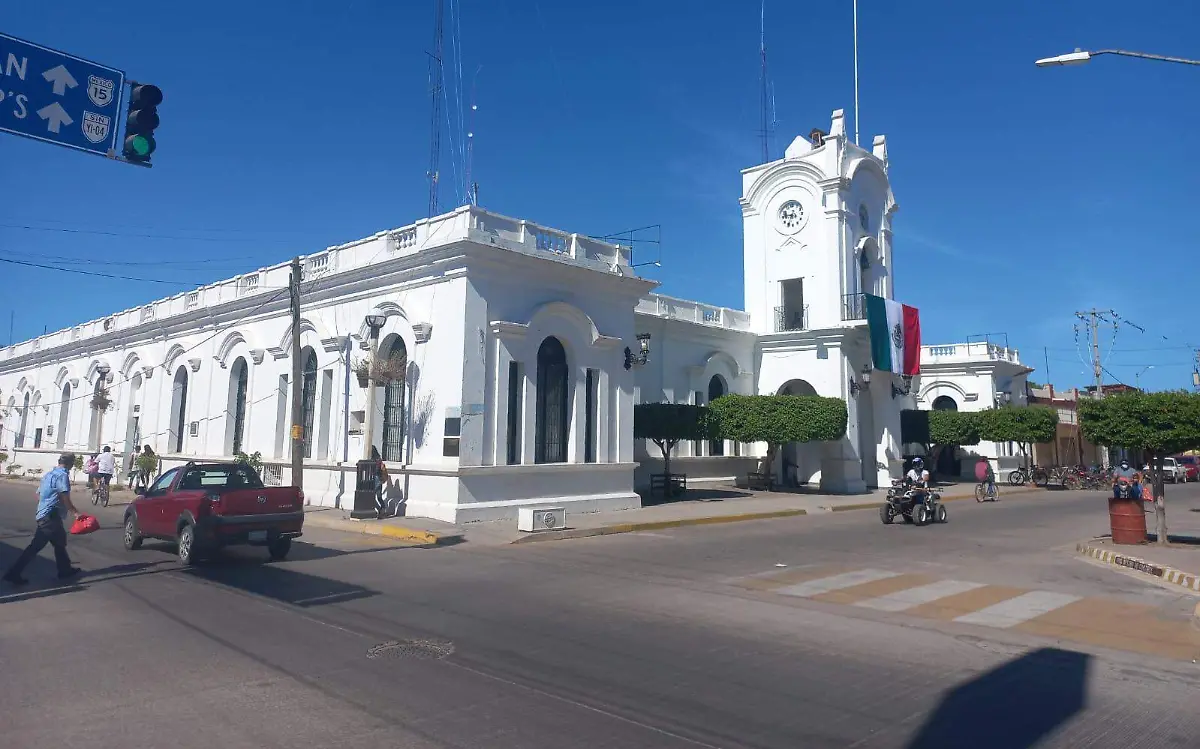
516, 354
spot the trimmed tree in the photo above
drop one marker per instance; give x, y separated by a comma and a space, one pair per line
938, 430
1025, 425
1160, 423
668, 424
779, 419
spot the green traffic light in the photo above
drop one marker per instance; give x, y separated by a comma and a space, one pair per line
139, 146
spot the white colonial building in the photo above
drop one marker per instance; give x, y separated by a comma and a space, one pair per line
520, 348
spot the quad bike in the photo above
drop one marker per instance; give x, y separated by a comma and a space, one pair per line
915, 505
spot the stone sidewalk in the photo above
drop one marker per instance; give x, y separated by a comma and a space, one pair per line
709, 506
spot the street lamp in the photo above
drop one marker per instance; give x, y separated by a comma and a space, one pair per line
102, 371
374, 324
1138, 377
1079, 57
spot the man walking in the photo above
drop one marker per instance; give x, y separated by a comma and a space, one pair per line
54, 499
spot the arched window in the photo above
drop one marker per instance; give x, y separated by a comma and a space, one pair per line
20, 441
308, 395
553, 417
64, 410
239, 384
394, 413
178, 409
944, 403
716, 388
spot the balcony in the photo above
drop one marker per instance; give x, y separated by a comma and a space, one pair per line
980, 351
791, 318
854, 307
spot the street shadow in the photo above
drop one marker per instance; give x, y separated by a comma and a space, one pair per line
1013, 706
1152, 537
277, 583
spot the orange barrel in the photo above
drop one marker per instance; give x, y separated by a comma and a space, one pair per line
1128, 520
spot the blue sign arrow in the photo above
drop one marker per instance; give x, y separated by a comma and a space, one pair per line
58, 98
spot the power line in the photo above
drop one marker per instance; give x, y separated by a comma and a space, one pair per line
129, 235
97, 274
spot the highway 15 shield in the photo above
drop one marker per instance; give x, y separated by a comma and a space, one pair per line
95, 126
100, 90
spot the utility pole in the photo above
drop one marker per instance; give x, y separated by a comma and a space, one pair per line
297, 382
1092, 319
1196, 371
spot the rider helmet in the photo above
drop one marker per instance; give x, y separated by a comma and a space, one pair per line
918, 463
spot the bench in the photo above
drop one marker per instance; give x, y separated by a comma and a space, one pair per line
668, 484
760, 482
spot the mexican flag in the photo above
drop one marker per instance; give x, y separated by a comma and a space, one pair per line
895, 335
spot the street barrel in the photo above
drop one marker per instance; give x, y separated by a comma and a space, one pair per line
1128, 520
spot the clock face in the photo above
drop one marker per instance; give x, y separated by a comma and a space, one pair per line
791, 216
864, 219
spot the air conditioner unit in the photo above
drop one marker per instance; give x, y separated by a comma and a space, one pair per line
534, 519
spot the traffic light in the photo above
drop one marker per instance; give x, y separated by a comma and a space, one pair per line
140, 120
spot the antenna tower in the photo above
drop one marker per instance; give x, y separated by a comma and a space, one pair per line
435, 109
765, 98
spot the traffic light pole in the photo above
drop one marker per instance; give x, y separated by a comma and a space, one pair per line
297, 383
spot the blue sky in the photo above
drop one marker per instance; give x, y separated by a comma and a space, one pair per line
1025, 194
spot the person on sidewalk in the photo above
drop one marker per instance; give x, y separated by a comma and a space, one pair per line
54, 500
1124, 473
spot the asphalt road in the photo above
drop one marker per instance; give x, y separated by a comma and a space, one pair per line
643, 640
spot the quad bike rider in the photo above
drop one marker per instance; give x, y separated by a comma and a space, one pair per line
913, 499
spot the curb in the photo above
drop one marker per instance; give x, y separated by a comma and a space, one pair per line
370, 528
1171, 575
609, 530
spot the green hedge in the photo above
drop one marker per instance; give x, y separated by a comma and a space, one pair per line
779, 419
668, 424
1025, 425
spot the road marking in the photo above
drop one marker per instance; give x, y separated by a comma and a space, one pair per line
1017, 610
837, 582
906, 599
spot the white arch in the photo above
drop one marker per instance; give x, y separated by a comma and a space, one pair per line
872, 165
63, 374
306, 326
22, 384
568, 313
807, 174
387, 309
173, 353
230, 342
869, 245
131, 360
926, 389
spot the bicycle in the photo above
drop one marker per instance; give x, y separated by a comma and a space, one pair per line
985, 491
100, 492
1036, 474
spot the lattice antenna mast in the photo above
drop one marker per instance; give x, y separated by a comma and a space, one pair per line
435, 109
764, 95
472, 188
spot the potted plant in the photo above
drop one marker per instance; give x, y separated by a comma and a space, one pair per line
3, 457
382, 371
254, 460
100, 401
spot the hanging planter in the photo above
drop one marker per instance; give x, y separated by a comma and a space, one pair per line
383, 372
101, 402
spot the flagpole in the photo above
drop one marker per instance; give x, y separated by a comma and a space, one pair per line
856, 72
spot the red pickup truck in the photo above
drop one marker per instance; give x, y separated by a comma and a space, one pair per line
204, 506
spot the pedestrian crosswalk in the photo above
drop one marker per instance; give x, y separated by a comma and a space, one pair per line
1060, 615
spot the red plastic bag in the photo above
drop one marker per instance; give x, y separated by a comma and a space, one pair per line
1147, 492
85, 524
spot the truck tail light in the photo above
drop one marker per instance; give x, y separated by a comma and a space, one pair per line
214, 503
300, 492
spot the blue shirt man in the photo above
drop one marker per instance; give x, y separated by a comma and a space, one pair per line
54, 484
1125, 472
54, 496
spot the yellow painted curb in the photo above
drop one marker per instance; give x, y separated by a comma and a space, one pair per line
374, 528
1167, 574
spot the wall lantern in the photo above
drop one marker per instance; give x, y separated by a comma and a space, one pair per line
865, 377
643, 354
899, 391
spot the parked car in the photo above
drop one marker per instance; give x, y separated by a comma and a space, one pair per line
1173, 470
205, 506
1191, 466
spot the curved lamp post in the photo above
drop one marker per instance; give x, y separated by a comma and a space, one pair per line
1079, 57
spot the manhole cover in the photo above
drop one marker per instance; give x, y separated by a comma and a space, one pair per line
420, 649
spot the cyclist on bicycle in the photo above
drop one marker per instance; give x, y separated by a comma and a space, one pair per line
985, 475
106, 466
